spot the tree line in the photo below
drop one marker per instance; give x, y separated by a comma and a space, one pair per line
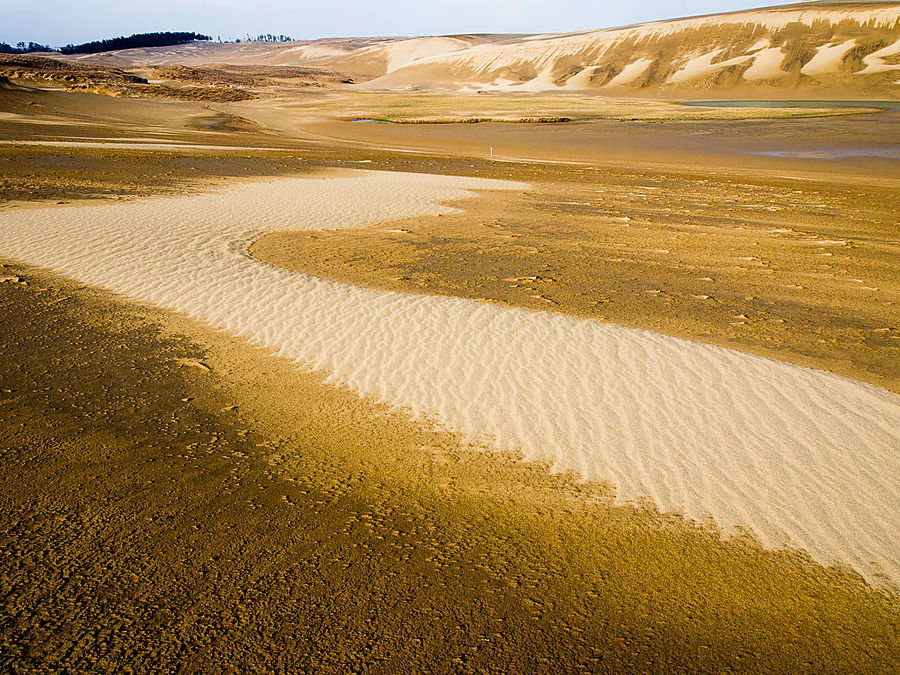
268, 37
131, 42
22, 48
112, 44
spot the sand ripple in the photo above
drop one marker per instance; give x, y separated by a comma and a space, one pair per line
797, 456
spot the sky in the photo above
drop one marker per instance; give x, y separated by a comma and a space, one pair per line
59, 22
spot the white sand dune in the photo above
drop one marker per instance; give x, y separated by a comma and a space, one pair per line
361, 57
681, 54
629, 73
766, 65
875, 62
796, 456
828, 58
243, 53
703, 65
404, 52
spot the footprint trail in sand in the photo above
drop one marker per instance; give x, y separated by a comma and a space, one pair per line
796, 456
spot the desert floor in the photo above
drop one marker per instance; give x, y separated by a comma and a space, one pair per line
175, 496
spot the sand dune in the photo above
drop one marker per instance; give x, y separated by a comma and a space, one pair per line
796, 456
387, 57
242, 53
877, 61
363, 58
732, 51
766, 65
828, 58
835, 49
703, 65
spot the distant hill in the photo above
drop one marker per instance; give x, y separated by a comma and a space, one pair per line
363, 58
847, 48
825, 49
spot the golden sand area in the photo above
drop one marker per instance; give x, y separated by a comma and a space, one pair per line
175, 497
246, 513
544, 384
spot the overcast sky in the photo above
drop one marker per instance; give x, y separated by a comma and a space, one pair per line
58, 22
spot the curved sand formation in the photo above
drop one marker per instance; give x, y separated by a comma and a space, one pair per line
796, 456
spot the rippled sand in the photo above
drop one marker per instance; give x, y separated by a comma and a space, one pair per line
794, 455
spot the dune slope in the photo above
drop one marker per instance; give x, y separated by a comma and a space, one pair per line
846, 49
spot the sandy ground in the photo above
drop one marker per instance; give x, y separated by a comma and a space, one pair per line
857, 149
789, 443
289, 492
218, 506
800, 271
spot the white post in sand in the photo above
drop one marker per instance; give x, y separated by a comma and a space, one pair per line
492, 151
